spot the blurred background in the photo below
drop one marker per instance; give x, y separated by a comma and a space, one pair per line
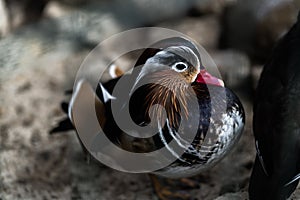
43, 43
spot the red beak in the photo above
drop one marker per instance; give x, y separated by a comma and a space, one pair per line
207, 78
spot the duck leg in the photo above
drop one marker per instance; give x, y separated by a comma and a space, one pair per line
173, 189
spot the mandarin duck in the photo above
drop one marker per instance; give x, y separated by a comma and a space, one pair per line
159, 93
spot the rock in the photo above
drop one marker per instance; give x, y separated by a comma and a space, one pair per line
234, 67
255, 26
234, 196
82, 29
255, 73
244, 196
16, 13
204, 30
296, 194
56, 9
4, 23
75, 2
297, 3
211, 6
274, 23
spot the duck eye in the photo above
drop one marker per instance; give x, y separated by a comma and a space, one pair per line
180, 67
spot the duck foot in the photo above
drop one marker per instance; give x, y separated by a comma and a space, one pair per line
173, 189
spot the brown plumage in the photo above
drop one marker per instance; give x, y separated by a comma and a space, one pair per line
170, 90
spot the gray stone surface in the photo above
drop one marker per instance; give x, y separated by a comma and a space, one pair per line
234, 196
83, 29
254, 26
234, 67
205, 30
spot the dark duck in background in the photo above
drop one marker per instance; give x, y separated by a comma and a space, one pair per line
276, 122
175, 71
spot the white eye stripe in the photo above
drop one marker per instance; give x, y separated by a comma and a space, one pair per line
180, 66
